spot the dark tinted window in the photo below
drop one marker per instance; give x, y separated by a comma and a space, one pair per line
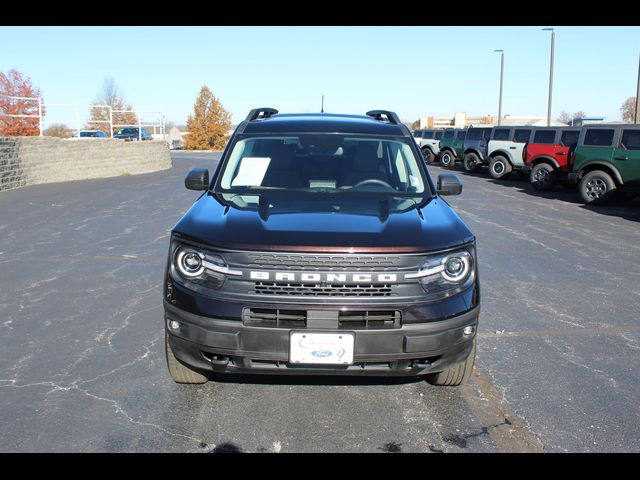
598, 137
521, 136
460, 134
486, 133
448, 135
475, 134
544, 136
631, 139
438, 135
569, 138
501, 134
427, 134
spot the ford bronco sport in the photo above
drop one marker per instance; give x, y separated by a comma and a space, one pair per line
606, 161
321, 246
547, 155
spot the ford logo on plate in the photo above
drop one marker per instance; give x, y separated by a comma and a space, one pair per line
322, 353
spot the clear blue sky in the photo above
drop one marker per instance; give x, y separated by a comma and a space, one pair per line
416, 71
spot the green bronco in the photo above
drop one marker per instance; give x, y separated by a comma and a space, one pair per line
451, 146
606, 161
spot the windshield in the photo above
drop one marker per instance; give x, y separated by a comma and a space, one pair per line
322, 164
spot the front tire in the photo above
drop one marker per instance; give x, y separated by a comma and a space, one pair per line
499, 167
428, 155
447, 160
597, 187
471, 163
456, 375
178, 371
543, 177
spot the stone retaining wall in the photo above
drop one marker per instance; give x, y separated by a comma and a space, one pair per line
32, 160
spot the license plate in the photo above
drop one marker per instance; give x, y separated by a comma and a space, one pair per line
321, 348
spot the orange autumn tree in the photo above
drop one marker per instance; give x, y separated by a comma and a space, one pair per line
15, 84
208, 127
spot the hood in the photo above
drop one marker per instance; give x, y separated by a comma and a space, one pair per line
210, 222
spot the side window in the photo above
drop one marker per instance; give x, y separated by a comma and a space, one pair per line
461, 134
631, 139
487, 134
521, 136
598, 137
448, 135
570, 138
501, 134
544, 136
439, 135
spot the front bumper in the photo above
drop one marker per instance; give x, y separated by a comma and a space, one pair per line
218, 345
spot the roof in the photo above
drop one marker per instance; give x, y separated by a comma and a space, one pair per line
529, 122
323, 123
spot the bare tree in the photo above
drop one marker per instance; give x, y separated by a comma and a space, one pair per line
566, 117
628, 109
59, 130
110, 95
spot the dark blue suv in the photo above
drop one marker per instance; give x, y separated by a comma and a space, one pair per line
321, 246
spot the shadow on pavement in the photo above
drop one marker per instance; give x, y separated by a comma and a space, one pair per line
315, 379
618, 207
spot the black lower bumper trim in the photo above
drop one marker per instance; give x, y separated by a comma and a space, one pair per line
229, 346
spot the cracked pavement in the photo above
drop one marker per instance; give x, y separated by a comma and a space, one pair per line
82, 364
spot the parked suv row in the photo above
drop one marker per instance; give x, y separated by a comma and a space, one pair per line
603, 159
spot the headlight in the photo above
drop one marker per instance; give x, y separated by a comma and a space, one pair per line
446, 274
200, 267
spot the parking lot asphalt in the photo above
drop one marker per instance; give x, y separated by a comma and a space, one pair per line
82, 363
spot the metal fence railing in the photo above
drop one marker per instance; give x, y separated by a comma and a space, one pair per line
27, 99
82, 119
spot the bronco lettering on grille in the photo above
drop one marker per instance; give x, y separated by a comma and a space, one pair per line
324, 277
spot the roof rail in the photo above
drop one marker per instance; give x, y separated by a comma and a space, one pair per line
255, 113
391, 116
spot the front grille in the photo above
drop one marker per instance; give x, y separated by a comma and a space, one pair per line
325, 262
364, 319
320, 290
275, 318
347, 320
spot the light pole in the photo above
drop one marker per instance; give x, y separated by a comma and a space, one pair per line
635, 115
553, 37
501, 74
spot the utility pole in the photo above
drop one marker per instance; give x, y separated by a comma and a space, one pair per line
635, 115
553, 36
501, 76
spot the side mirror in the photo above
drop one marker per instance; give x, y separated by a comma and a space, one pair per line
197, 179
449, 184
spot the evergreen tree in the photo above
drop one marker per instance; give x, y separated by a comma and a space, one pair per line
208, 127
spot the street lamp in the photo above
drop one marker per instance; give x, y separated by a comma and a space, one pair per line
553, 37
501, 74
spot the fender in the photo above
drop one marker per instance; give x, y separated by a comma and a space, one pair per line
544, 158
504, 153
608, 165
476, 151
428, 147
450, 150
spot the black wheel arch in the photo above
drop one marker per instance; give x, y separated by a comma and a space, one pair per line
544, 159
604, 166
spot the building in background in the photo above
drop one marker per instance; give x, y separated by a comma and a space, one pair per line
462, 120
459, 120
